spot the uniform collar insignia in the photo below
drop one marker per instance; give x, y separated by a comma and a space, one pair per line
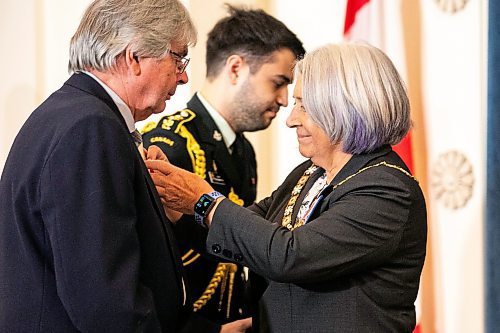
217, 135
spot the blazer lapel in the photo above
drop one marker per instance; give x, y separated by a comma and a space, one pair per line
165, 222
159, 210
156, 200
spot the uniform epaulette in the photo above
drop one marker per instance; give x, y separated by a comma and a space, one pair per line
175, 122
177, 119
148, 127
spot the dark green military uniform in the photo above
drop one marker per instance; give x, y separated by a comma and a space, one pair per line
192, 141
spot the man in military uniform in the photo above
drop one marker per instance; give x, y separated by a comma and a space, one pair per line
250, 58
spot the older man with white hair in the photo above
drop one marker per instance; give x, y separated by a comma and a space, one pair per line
85, 245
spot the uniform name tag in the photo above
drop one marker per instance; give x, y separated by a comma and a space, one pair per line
215, 178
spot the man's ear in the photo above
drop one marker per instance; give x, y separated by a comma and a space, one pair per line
236, 68
132, 61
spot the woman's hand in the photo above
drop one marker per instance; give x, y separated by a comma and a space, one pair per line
155, 153
179, 189
238, 326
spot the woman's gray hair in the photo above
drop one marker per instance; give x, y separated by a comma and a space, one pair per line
108, 27
355, 94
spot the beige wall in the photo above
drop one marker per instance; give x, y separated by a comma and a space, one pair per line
34, 35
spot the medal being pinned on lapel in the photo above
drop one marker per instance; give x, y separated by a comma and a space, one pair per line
214, 177
217, 135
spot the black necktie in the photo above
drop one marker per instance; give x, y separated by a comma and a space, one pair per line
238, 147
238, 154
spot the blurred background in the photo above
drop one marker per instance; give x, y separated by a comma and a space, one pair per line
441, 49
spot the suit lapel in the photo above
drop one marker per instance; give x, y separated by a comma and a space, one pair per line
165, 222
156, 200
161, 213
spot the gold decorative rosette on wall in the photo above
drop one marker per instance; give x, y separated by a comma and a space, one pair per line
451, 6
453, 179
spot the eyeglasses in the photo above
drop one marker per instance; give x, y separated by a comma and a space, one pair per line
181, 61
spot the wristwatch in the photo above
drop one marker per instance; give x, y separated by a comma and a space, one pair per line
204, 205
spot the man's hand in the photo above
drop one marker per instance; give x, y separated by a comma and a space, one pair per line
179, 189
238, 326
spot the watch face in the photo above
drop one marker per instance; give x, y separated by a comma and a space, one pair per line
203, 204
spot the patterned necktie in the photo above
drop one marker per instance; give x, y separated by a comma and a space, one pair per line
136, 135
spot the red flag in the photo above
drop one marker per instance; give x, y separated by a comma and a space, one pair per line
404, 150
353, 6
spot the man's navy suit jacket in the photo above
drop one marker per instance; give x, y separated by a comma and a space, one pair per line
84, 242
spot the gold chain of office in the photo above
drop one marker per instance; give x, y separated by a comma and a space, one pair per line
286, 221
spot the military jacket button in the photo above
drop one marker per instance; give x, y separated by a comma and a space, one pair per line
216, 248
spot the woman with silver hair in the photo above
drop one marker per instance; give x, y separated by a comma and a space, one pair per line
341, 243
